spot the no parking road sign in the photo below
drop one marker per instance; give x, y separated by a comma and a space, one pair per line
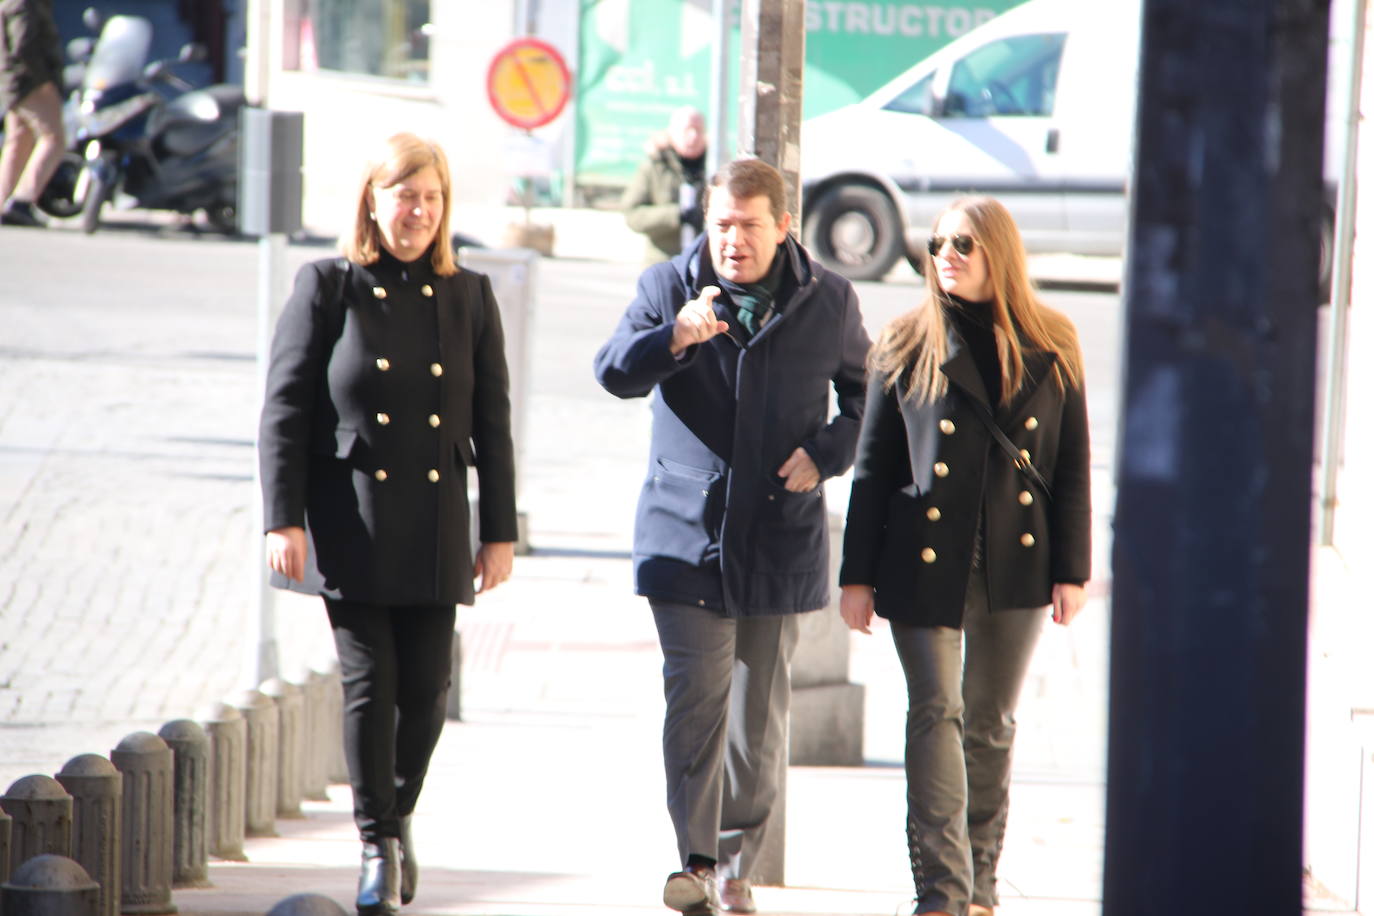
528, 83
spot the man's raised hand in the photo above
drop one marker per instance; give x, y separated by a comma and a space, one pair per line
697, 322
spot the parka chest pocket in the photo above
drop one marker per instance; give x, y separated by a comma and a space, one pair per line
676, 509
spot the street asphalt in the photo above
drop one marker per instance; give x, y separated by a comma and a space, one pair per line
128, 597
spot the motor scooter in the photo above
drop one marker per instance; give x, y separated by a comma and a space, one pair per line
148, 139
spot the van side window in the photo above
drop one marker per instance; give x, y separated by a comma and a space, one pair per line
1010, 76
916, 98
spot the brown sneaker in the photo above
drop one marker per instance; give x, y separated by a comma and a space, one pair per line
737, 896
692, 891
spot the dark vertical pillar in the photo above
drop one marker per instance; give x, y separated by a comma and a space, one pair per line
1211, 545
773, 45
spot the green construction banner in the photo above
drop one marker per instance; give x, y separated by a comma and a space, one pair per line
640, 60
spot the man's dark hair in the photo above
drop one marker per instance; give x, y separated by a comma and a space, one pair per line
745, 178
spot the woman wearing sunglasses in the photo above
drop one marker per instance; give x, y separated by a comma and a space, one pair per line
968, 517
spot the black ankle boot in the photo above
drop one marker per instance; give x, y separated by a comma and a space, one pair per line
410, 868
379, 883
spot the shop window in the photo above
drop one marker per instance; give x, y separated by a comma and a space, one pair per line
385, 38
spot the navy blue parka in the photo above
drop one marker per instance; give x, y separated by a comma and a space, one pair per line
715, 526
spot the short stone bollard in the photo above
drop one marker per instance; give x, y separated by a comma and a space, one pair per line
260, 763
306, 905
190, 790
50, 885
146, 850
42, 812
337, 763
97, 791
6, 825
314, 765
225, 806
290, 744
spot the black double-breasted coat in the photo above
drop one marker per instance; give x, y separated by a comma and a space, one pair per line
924, 471
386, 384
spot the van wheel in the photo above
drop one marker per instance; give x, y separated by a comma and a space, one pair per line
855, 231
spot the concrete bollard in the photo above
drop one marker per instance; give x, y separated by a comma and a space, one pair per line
336, 762
6, 825
306, 905
42, 812
260, 763
190, 799
225, 805
97, 791
314, 765
50, 885
290, 746
146, 850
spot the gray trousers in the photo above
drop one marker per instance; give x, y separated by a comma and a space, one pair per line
727, 689
959, 730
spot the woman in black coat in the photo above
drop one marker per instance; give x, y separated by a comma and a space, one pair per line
961, 540
387, 382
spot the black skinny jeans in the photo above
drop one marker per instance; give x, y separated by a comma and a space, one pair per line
396, 664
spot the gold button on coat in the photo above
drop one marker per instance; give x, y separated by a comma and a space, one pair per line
433, 476
928, 555
941, 469
933, 514
1025, 454
1027, 540
434, 419
383, 363
380, 475
383, 419
426, 291
1025, 498
436, 370
379, 292
1032, 423
947, 427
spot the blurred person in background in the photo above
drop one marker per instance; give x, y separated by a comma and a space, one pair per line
30, 73
387, 382
664, 199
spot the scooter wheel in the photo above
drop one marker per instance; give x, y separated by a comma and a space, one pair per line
96, 196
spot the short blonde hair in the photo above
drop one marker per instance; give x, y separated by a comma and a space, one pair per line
396, 159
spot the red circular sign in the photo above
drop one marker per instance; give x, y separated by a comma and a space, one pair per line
528, 83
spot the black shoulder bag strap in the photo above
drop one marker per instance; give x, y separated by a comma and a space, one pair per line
1023, 464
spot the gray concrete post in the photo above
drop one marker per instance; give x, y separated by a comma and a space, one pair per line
290, 744
306, 905
97, 791
314, 766
50, 885
337, 763
827, 721
6, 826
42, 812
260, 762
146, 848
190, 793
225, 799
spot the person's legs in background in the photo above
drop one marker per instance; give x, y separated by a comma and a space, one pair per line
32, 151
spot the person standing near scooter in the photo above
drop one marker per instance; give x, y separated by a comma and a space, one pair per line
30, 72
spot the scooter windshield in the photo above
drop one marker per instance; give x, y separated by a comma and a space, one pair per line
120, 54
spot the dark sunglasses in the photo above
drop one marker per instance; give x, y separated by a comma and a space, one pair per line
963, 244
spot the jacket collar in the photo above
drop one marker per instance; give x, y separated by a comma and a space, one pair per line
963, 373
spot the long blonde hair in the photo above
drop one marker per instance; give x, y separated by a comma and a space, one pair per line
916, 344
396, 159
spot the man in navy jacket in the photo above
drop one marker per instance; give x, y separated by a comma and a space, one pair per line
739, 339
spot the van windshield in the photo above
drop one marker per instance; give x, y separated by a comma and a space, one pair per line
1010, 76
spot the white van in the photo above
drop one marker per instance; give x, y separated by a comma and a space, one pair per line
1035, 107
